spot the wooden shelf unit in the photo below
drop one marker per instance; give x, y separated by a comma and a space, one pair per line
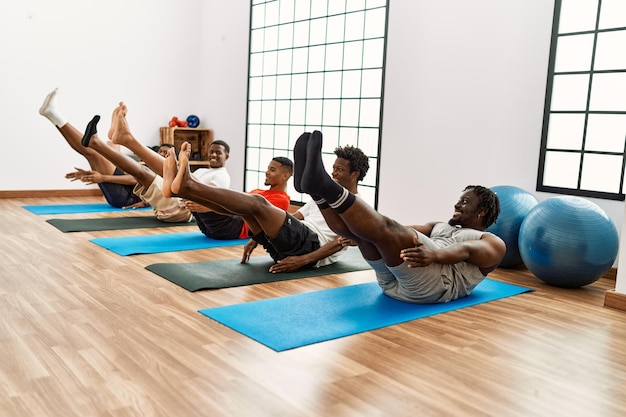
200, 140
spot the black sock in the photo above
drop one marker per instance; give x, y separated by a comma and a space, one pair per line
344, 201
315, 179
299, 160
90, 131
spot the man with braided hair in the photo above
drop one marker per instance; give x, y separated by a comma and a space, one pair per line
431, 263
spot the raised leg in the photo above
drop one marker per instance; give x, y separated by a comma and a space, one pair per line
255, 209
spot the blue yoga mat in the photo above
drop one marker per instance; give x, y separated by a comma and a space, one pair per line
298, 320
76, 208
168, 242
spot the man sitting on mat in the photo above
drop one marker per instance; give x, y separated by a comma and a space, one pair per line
292, 243
431, 263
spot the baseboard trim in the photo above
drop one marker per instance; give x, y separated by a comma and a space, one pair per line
51, 193
615, 300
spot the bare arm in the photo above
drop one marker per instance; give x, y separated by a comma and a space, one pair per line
486, 253
293, 263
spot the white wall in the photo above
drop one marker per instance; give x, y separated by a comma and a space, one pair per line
465, 87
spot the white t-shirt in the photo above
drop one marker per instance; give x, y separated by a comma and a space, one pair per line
314, 220
216, 176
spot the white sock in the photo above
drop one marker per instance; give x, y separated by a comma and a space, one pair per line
49, 110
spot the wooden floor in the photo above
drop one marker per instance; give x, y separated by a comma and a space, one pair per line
85, 332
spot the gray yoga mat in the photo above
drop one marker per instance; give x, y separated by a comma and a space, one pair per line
232, 273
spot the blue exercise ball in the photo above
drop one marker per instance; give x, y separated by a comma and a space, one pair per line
515, 203
568, 241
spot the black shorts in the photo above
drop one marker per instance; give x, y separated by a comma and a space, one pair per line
219, 226
118, 195
293, 239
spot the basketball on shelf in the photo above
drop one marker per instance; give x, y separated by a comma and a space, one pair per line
193, 121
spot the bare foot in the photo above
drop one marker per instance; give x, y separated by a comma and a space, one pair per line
119, 131
183, 173
113, 118
169, 172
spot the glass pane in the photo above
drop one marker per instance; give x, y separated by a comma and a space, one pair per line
376, 3
315, 88
282, 112
351, 84
254, 112
271, 13
601, 173
301, 33
350, 112
255, 88
283, 66
281, 137
373, 51
370, 112
267, 112
335, 28
269, 63
336, 6
348, 136
367, 193
269, 87
606, 132
256, 40
254, 137
608, 92
368, 141
285, 36
352, 5
561, 170
303, 9
332, 85
334, 57
574, 53
565, 131
372, 83
613, 14
317, 58
296, 115
375, 23
569, 92
270, 40
283, 86
286, 10
298, 86
319, 8
256, 64
331, 112
258, 16
578, 16
353, 55
611, 50
331, 137
314, 112
318, 32
267, 141
300, 61
355, 23
253, 158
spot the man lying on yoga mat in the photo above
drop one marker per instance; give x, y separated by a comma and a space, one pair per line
430, 263
292, 243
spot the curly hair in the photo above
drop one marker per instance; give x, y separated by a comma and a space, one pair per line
488, 201
357, 158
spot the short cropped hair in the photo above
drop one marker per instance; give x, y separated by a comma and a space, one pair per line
285, 162
222, 143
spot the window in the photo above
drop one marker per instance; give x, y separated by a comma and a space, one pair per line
583, 142
315, 65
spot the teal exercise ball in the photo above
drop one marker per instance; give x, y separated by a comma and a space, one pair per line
515, 203
568, 241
